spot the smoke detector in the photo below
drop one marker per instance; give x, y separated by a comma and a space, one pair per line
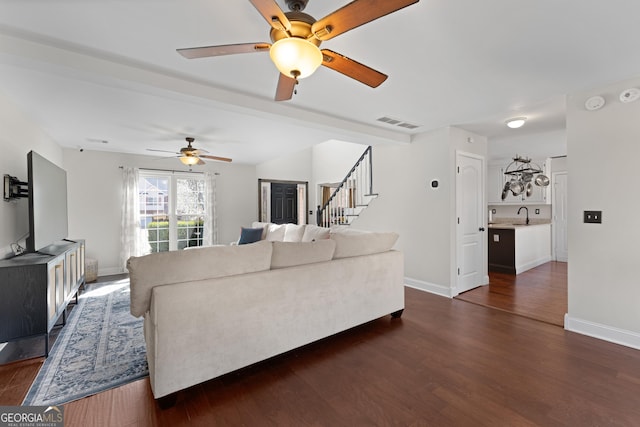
594, 103
630, 95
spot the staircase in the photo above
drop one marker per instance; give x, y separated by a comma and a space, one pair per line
351, 196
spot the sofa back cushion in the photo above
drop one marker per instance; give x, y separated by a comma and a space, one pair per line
289, 254
165, 268
350, 242
313, 232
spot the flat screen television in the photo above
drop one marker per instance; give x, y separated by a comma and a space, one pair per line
48, 223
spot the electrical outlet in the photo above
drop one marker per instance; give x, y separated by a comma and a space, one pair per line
593, 217
537, 211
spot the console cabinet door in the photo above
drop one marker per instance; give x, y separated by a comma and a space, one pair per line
55, 288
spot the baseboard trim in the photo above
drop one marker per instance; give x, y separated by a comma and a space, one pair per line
432, 288
110, 271
603, 332
532, 264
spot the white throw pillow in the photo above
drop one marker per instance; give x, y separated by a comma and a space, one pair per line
350, 243
313, 232
289, 254
275, 232
263, 225
293, 232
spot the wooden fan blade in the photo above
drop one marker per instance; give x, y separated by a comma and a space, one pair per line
200, 161
222, 159
270, 10
354, 14
286, 84
227, 49
351, 68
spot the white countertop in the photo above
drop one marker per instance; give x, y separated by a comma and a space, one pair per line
510, 226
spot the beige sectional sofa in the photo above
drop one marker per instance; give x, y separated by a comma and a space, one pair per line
212, 310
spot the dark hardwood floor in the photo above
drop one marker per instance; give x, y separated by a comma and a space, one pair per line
539, 293
444, 363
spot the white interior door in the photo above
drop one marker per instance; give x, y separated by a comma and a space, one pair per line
470, 208
559, 207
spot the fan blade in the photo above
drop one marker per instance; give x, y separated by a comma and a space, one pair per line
200, 162
222, 159
227, 49
354, 14
351, 68
270, 10
286, 84
162, 151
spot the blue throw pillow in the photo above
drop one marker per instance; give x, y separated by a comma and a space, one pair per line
249, 235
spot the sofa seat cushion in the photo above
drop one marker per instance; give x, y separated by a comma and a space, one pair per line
351, 242
163, 268
289, 254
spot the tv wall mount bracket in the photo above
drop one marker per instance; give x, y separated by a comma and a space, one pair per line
14, 188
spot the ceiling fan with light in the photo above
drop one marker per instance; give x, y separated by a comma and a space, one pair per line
192, 156
296, 38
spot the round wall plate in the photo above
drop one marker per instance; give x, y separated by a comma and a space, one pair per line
630, 95
594, 103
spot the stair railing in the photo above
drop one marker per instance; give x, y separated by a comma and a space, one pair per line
351, 195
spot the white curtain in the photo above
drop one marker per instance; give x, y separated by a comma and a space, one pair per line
132, 239
210, 223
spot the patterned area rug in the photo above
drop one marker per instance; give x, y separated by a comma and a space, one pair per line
101, 347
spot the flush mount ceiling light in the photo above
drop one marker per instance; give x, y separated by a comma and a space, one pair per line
516, 122
295, 57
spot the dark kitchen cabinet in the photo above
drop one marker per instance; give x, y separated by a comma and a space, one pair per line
502, 250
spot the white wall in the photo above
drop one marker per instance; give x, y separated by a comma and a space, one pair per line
424, 217
19, 135
95, 199
539, 145
604, 148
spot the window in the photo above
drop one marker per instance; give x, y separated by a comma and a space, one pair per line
172, 209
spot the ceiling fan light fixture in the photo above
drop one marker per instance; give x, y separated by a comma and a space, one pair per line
516, 122
295, 57
189, 160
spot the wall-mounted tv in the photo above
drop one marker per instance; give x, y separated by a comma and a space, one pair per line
47, 202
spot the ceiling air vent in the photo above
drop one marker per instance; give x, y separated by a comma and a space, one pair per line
389, 120
397, 122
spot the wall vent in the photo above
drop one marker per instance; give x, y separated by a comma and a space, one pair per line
397, 122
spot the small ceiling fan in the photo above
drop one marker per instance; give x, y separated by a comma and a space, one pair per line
296, 38
192, 156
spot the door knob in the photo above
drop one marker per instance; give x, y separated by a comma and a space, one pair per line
481, 229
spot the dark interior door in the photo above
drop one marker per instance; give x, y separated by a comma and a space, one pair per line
284, 203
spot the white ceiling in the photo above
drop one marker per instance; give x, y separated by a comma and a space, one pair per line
90, 71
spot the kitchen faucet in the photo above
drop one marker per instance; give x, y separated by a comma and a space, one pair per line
527, 209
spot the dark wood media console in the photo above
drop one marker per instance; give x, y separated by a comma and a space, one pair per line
36, 288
